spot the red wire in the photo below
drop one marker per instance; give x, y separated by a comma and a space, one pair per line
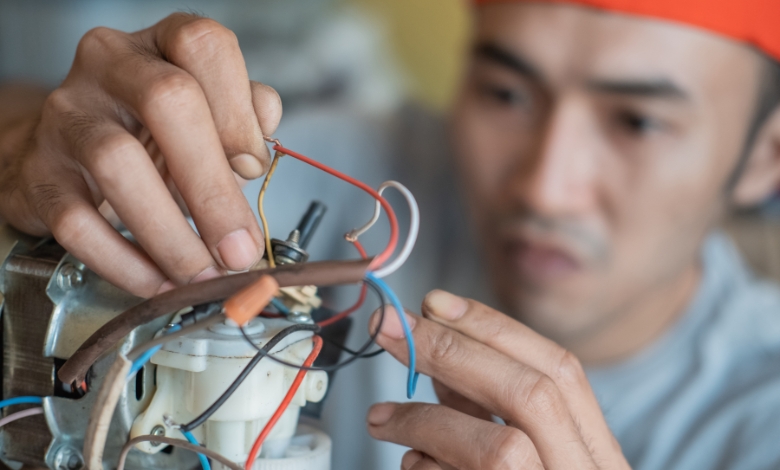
285, 403
360, 300
388, 251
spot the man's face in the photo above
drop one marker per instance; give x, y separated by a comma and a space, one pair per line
595, 149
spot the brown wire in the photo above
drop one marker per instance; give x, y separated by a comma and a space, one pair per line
324, 273
176, 443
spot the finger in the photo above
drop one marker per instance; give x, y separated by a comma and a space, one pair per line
172, 105
456, 401
210, 53
268, 107
505, 387
414, 460
519, 342
452, 437
139, 197
63, 202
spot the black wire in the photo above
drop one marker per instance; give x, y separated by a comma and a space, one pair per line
247, 370
351, 351
358, 354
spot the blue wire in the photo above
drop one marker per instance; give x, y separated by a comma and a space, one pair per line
147, 355
204, 462
411, 382
279, 305
21, 401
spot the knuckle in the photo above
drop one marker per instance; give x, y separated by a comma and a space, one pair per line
445, 346
171, 90
544, 401
569, 372
94, 41
106, 158
68, 223
199, 36
58, 102
511, 450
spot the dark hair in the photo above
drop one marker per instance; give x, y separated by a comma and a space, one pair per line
768, 100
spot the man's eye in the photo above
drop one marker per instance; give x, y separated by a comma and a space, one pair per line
506, 96
638, 123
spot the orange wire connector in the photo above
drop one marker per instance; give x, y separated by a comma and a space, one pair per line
250, 301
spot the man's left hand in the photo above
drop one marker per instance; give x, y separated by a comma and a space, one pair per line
485, 363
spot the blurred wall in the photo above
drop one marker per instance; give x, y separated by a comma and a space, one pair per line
428, 38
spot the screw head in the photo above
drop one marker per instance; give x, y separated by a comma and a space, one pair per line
69, 277
300, 317
158, 430
68, 458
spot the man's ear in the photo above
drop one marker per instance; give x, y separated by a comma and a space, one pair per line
761, 175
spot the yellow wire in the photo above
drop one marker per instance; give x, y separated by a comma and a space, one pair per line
260, 198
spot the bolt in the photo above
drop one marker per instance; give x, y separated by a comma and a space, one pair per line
158, 430
299, 317
68, 458
294, 237
69, 277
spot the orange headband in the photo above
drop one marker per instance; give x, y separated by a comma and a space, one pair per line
755, 22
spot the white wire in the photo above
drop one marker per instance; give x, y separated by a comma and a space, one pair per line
414, 227
21, 414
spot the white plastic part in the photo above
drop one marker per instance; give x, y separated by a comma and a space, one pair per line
309, 449
193, 371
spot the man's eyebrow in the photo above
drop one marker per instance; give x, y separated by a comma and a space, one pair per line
498, 55
661, 88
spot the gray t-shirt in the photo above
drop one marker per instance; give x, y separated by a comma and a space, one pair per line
706, 395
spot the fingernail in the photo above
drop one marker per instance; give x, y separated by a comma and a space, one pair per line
391, 325
238, 250
209, 273
246, 165
445, 305
165, 287
380, 413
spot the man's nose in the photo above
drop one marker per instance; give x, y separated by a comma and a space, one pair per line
560, 175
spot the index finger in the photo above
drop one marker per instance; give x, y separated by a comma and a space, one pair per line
512, 338
171, 104
507, 388
210, 53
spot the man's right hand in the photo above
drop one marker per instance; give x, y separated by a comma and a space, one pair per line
154, 124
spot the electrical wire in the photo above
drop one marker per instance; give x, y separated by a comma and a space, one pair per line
388, 251
160, 340
352, 351
146, 356
315, 351
268, 347
411, 383
414, 226
261, 212
176, 443
111, 389
280, 306
21, 401
21, 414
361, 298
359, 353
204, 461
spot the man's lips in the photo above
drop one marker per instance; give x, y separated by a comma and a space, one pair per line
539, 262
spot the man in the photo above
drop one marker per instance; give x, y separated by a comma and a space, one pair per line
597, 151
